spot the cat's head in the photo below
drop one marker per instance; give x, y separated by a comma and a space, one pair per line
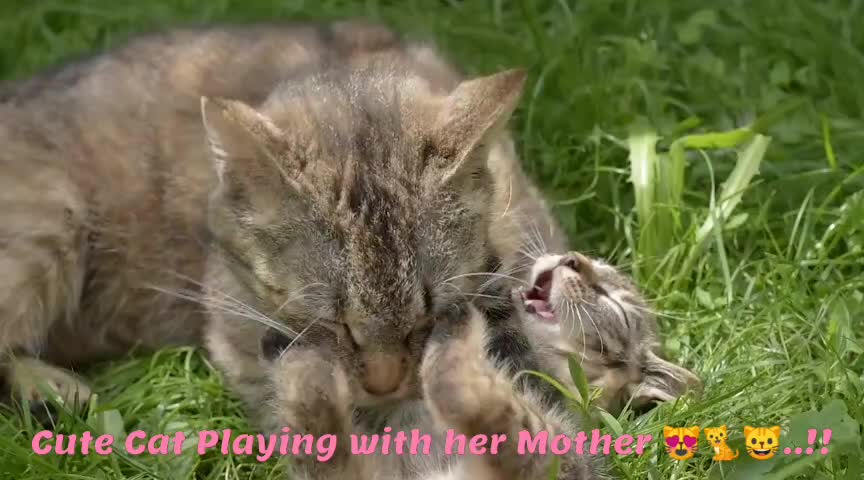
716, 435
681, 442
583, 307
353, 206
762, 443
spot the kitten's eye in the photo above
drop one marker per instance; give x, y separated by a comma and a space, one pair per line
753, 441
273, 343
770, 441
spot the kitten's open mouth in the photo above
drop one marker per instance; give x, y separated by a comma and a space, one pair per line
536, 299
761, 452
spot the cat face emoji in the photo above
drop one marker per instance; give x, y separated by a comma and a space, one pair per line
681, 442
762, 443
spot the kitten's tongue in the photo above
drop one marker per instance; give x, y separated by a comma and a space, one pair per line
541, 308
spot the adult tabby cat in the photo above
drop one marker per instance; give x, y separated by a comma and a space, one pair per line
351, 187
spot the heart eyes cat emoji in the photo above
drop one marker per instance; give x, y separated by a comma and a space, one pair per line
681, 442
762, 443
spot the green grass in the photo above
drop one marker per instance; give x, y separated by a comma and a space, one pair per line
759, 280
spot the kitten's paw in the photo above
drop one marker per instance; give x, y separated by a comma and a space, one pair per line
311, 393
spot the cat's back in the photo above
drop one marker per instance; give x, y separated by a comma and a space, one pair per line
160, 77
107, 155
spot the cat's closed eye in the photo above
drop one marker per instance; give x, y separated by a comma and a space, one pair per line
273, 343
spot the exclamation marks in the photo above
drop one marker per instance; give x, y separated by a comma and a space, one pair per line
811, 442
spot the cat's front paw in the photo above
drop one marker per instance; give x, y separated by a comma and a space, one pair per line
455, 372
452, 323
311, 392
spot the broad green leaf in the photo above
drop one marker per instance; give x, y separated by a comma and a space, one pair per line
110, 422
611, 422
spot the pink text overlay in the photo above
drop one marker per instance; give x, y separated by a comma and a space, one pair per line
323, 447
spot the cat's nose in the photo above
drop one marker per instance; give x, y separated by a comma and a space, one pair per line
578, 263
382, 371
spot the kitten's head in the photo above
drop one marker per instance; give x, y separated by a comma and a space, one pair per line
716, 435
351, 206
583, 307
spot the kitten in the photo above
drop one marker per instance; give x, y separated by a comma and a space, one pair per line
470, 388
361, 185
716, 437
585, 308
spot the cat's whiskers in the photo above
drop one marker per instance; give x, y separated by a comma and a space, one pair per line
515, 269
539, 236
575, 310
532, 247
298, 295
596, 328
655, 313
528, 254
298, 336
489, 274
229, 305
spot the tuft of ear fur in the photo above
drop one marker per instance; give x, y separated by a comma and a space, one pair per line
471, 119
249, 155
663, 381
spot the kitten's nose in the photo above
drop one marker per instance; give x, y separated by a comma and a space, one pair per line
580, 264
382, 371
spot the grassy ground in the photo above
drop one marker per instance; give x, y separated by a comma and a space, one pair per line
765, 304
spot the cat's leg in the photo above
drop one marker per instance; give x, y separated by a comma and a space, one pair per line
311, 395
467, 392
41, 274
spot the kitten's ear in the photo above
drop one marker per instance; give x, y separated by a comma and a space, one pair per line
243, 143
775, 430
471, 118
663, 381
668, 431
748, 429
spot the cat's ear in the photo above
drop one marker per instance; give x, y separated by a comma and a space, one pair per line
242, 141
663, 381
668, 431
248, 152
748, 430
775, 430
471, 119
